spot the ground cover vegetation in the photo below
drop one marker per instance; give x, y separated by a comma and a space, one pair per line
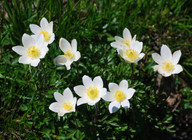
161, 107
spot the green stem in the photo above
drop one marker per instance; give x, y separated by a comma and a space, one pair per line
44, 75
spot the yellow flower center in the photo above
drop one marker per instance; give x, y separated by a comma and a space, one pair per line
67, 106
69, 54
119, 95
92, 92
127, 42
46, 35
167, 66
33, 52
131, 54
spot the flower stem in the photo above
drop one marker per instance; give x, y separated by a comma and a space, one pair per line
44, 84
132, 76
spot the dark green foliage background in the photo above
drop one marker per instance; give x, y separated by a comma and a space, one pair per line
24, 112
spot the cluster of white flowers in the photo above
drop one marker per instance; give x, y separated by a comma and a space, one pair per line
35, 48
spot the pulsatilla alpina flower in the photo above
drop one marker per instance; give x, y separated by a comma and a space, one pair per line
46, 29
65, 103
91, 92
167, 63
120, 43
32, 51
118, 96
70, 53
133, 53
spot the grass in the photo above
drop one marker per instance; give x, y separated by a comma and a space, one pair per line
24, 106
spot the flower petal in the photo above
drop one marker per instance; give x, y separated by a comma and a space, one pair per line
35, 28
87, 81
113, 87
24, 60
176, 57
108, 97
125, 104
123, 84
98, 82
129, 93
55, 107
166, 53
44, 24
119, 39
74, 45
114, 106
52, 38
67, 94
64, 45
19, 49
177, 69
157, 58
77, 56
116, 45
80, 90
60, 60
28, 40
58, 97
81, 101
127, 34
35, 62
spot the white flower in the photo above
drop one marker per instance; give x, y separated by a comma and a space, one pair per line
133, 53
70, 53
118, 96
120, 43
167, 63
32, 51
46, 29
91, 92
65, 103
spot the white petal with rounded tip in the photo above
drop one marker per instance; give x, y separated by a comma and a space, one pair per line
24, 37
50, 27
81, 101
98, 81
166, 53
141, 55
58, 97
74, 45
80, 90
116, 45
119, 39
103, 92
39, 41
125, 104
52, 38
77, 56
64, 45
87, 81
19, 49
157, 58
127, 34
138, 46
24, 60
43, 51
109, 97
114, 106
28, 41
35, 62
123, 84
176, 57
44, 24
177, 69
61, 112
130, 93
55, 107
113, 87
35, 28
60, 60
67, 94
